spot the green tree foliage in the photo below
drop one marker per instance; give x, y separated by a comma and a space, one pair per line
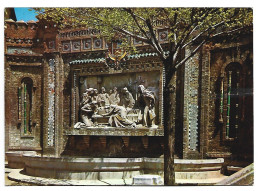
186, 25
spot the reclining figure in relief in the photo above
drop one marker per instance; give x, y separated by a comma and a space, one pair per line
118, 117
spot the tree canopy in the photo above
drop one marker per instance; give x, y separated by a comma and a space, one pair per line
187, 27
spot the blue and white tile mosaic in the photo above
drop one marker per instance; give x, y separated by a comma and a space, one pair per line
51, 104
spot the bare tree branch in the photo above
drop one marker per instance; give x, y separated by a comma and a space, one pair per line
128, 10
228, 32
203, 32
131, 34
191, 54
131, 12
154, 40
190, 30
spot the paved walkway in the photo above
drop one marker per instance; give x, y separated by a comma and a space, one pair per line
9, 182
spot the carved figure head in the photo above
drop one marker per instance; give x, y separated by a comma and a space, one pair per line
103, 90
90, 91
95, 91
141, 88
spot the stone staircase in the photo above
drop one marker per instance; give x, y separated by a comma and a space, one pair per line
243, 177
115, 170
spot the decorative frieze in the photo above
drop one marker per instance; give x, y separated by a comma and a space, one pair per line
125, 68
82, 45
20, 41
24, 60
79, 33
19, 50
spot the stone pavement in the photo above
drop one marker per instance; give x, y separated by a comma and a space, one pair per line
9, 182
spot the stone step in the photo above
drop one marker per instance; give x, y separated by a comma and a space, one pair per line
234, 168
198, 175
242, 177
208, 181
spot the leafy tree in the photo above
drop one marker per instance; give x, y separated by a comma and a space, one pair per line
188, 27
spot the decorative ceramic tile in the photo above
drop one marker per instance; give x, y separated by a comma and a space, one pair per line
66, 46
74, 92
51, 104
191, 92
163, 35
76, 45
51, 44
97, 43
87, 44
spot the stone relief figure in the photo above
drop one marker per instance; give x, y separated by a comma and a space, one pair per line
84, 98
88, 96
86, 113
88, 108
126, 99
146, 102
118, 117
95, 94
114, 98
102, 108
103, 96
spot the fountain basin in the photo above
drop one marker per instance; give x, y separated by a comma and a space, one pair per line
15, 158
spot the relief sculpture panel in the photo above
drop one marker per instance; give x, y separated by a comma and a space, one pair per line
119, 101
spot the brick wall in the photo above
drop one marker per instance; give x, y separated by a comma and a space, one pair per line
15, 74
217, 143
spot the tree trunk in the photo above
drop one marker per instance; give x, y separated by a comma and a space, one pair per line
169, 103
